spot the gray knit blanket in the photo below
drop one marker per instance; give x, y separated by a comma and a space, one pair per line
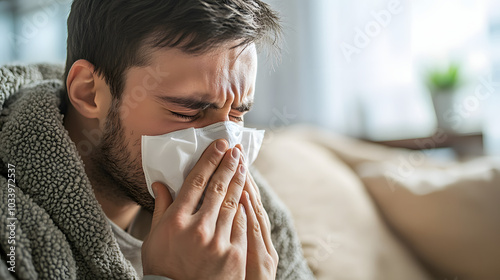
51, 225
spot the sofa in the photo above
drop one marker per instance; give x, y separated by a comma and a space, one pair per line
366, 211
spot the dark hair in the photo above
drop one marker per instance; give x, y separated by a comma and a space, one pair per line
114, 35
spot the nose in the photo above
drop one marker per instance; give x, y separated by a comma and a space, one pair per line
215, 115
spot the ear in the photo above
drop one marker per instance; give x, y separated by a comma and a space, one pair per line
85, 90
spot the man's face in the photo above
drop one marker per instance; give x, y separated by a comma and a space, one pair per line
176, 91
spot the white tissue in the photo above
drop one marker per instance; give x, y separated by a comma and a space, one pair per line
170, 157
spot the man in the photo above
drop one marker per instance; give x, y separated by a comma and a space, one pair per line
72, 179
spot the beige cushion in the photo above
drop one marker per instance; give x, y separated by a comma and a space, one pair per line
450, 216
342, 235
448, 213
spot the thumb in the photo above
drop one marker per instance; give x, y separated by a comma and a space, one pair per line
163, 200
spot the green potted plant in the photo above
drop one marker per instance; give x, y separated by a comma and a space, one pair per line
443, 84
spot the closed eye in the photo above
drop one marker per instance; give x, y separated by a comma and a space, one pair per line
182, 116
193, 117
238, 119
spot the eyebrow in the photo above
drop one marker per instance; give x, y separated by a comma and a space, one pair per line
201, 105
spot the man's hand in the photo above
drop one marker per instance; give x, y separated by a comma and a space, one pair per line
210, 243
262, 258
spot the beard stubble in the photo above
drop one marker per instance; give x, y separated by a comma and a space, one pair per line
118, 175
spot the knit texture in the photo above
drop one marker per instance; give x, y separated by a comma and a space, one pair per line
61, 231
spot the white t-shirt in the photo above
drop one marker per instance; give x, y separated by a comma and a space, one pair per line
130, 240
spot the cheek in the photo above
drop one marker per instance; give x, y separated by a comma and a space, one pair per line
136, 120
132, 138
145, 117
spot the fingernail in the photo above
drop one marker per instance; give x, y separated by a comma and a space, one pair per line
235, 153
242, 169
243, 209
221, 145
248, 197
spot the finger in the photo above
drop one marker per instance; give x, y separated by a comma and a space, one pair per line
257, 189
256, 243
261, 215
239, 232
243, 156
218, 185
229, 206
268, 221
162, 201
194, 185
244, 160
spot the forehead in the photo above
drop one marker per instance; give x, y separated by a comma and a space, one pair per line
213, 75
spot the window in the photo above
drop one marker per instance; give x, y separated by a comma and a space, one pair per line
35, 30
359, 67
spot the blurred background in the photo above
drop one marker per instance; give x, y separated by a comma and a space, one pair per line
389, 71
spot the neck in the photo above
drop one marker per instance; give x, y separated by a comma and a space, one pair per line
119, 212
118, 209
